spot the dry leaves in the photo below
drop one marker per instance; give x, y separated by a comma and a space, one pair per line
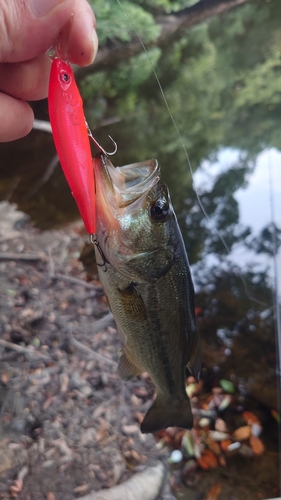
251, 418
208, 460
214, 492
225, 444
242, 433
16, 488
256, 445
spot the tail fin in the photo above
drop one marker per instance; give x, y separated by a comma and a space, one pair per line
174, 411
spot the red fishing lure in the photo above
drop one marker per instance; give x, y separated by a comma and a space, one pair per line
71, 139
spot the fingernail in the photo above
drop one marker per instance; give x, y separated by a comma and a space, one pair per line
41, 7
95, 44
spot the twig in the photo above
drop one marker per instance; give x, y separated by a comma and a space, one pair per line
103, 323
42, 125
23, 472
77, 281
30, 353
91, 353
22, 256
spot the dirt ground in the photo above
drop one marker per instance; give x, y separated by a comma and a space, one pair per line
68, 424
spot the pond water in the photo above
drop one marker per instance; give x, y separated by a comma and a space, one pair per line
221, 78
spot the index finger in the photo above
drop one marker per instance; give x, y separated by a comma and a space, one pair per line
25, 33
83, 41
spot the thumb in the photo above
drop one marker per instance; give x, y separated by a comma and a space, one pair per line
29, 28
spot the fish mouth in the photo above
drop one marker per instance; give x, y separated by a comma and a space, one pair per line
125, 185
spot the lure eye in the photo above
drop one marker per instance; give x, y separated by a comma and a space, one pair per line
159, 210
64, 77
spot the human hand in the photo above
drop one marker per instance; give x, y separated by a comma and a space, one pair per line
28, 28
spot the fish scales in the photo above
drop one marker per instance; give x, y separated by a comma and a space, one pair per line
144, 270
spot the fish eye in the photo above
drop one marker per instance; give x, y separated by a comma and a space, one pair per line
159, 209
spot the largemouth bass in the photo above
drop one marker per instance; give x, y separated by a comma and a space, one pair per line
144, 270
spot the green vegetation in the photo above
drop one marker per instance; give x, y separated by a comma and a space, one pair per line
221, 81
113, 21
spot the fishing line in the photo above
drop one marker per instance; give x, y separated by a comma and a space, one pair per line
248, 295
275, 292
275, 299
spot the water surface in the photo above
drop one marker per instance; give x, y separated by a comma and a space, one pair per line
222, 82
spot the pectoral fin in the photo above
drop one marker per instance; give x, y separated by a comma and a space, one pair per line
127, 367
133, 303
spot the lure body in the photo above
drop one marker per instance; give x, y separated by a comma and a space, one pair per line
71, 139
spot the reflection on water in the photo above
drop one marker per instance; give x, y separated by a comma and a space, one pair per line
259, 200
222, 82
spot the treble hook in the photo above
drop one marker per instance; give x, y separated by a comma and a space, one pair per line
98, 145
93, 239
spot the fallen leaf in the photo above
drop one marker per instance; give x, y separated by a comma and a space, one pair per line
136, 456
256, 445
16, 488
227, 386
164, 436
188, 443
190, 390
213, 445
256, 429
103, 430
204, 422
139, 416
222, 460
130, 429
235, 446
212, 459
81, 489
225, 402
203, 462
250, 418
208, 460
135, 400
140, 392
218, 436
214, 492
225, 444
242, 433
220, 425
